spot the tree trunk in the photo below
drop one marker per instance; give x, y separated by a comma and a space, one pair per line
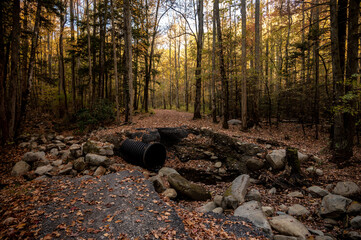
72, 40
3, 119
244, 66
317, 68
128, 80
186, 60
115, 62
257, 61
198, 72
62, 85
214, 73
91, 81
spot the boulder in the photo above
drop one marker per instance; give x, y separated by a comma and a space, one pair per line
296, 194
57, 163
277, 159
316, 191
43, 170
170, 193
66, 169
347, 189
354, 208
218, 210
76, 151
284, 208
254, 164
290, 226
208, 207
171, 136
97, 160
253, 194
158, 183
31, 157
218, 164
356, 222
272, 191
64, 154
268, 211
334, 206
353, 235
104, 149
54, 152
234, 122
79, 164
229, 202
20, 168
187, 188
218, 200
166, 171
252, 211
151, 136
249, 149
238, 188
302, 157
100, 171
298, 210
283, 237
24, 145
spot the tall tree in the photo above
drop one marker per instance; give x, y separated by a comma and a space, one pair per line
244, 65
62, 86
198, 72
72, 39
115, 61
213, 89
91, 80
257, 61
128, 78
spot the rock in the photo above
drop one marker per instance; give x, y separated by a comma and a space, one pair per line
277, 159
218, 200
268, 211
229, 202
76, 151
310, 170
79, 164
20, 168
64, 154
354, 208
43, 170
272, 191
352, 235
234, 122
253, 194
66, 169
9, 221
166, 171
170, 193
249, 149
283, 208
218, 210
330, 221
296, 194
187, 188
41, 178
252, 211
283, 237
298, 210
356, 222
254, 164
158, 183
33, 145
315, 232
316, 191
213, 158
347, 189
100, 171
31, 157
68, 139
59, 138
222, 171
333, 206
151, 136
302, 157
238, 188
208, 207
57, 163
290, 226
116, 167
218, 164
323, 238
97, 160
54, 152
61, 145
24, 145
319, 172
170, 136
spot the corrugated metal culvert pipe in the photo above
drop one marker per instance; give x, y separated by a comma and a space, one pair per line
150, 156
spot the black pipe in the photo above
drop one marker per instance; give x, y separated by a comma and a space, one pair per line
150, 156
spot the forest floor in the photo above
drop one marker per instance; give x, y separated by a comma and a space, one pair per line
22, 203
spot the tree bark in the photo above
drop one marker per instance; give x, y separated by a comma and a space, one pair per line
72, 40
3, 119
62, 85
115, 62
214, 76
91, 80
128, 80
244, 66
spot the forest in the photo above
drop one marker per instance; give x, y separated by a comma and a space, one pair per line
263, 62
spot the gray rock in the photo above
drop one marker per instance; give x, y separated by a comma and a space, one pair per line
354, 208
222, 171
253, 194
296, 194
218, 164
116, 167
57, 163
97, 160
214, 158
166, 171
187, 188
252, 211
315, 232
54, 152
234, 122
43, 170
100, 171
158, 183
208, 207
79, 164
333, 206
76, 151
64, 154
352, 235
319, 172
283, 237
290, 226
277, 159
268, 211
59, 138
272, 191
229, 202
31, 157
347, 189
218, 210
298, 210
323, 238
283, 208
170, 193
356, 222
20, 168
238, 188
66, 169
68, 139
61, 146
302, 157
218, 200
330, 221
151, 136
316, 191
254, 164
33, 145
24, 145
